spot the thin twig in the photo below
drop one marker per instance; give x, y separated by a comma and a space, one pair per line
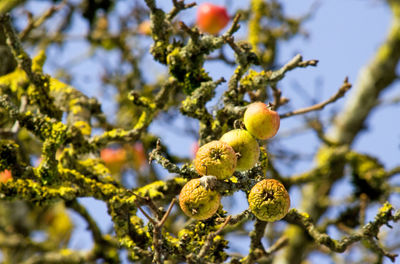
277, 97
340, 93
164, 218
393, 172
278, 245
149, 202
22, 108
145, 214
157, 230
243, 216
256, 247
185, 171
210, 238
381, 251
235, 26
179, 5
157, 235
295, 62
35, 23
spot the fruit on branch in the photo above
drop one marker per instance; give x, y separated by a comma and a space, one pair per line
269, 200
194, 148
114, 159
216, 158
144, 28
211, 18
5, 176
245, 146
261, 121
138, 156
198, 202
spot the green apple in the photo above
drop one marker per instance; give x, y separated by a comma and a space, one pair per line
245, 146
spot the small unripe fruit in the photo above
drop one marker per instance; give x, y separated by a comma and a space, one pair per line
261, 121
211, 18
198, 202
269, 200
216, 158
245, 145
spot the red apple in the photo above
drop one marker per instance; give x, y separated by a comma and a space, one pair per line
261, 121
144, 28
5, 176
114, 159
211, 18
138, 156
194, 148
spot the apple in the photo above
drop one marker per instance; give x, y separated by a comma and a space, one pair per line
268, 200
138, 156
245, 145
144, 28
211, 18
216, 158
194, 148
114, 159
198, 202
5, 176
261, 121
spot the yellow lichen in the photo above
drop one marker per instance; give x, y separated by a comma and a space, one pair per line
84, 127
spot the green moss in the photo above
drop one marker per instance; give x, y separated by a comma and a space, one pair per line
84, 127
145, 119
194, 236
368, 175
263, 159
385, 209
16, 80
8, 154
152, 190
254, 23
187, 69
38, 61
94, 166
194, 79
255, 80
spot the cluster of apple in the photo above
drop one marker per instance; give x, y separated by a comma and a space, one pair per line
238, 150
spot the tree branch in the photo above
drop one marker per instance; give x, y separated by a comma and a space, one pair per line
340, 93
368, 231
